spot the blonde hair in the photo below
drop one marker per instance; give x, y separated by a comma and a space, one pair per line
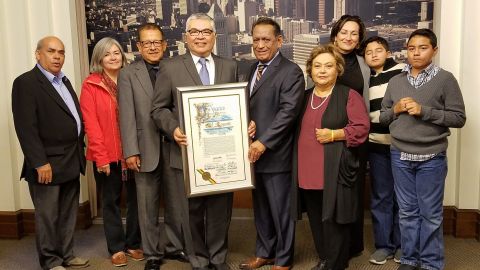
99, 51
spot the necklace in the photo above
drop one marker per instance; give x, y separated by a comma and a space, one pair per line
323, 101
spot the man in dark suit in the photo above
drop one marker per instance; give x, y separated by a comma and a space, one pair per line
209, 215
49, 127
276, 90
146, 152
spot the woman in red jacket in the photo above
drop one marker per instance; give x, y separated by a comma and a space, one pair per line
98, 102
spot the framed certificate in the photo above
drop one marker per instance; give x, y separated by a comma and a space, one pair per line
215, 120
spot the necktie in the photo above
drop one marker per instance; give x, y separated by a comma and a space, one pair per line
153, 74
204, 71
259, 74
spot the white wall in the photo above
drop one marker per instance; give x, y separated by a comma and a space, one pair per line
23, 22
456, 24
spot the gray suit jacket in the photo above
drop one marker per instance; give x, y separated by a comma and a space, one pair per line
139, 134
177, 72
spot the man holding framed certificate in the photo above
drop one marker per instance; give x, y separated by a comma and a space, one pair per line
209, 216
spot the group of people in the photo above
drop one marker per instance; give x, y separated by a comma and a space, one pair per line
309, 148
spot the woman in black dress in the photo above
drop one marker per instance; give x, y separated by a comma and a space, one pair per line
347, 34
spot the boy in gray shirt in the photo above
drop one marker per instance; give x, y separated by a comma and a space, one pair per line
420, 105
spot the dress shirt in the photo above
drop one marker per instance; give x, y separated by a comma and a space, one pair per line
423, 77
152, 72
210, 66
57, 83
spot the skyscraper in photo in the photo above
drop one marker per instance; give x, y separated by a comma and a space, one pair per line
188, 7
223, 47
164, 11
339, 9
246, 9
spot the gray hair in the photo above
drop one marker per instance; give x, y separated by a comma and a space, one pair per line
100, 50
200, 16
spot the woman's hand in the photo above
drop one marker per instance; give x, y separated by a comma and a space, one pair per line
104, 169
325, 135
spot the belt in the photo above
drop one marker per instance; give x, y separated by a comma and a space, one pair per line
164, 138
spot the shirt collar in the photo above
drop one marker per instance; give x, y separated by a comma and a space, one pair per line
150, 66
429, 69
196, 58
51, 78
271, 60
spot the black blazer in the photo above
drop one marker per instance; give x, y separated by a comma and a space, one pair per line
274, 106
46, 129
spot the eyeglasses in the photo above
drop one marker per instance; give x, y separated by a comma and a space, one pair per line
196, 32
148, 43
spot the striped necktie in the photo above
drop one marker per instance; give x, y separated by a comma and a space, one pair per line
260, 69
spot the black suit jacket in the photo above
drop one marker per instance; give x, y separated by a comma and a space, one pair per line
275, 103
46, 129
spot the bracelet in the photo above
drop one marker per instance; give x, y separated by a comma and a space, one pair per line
332, 134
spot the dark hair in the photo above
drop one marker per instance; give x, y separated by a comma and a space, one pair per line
424, 32
330, 49
149, 26
268, 21
342, 21
377, 39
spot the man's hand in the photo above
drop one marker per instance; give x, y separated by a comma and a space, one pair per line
256, 150
133, 163
324, 135
44, 174
412, 107
179, 137
252, 129
409, 105
104, 169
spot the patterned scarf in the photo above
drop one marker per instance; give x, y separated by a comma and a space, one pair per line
112, 89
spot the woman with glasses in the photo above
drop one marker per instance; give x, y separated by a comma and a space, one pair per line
98, 102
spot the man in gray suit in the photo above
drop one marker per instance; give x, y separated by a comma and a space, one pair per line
209, 215
146, 152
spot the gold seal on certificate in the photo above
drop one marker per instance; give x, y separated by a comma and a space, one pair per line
215, 120
206, 176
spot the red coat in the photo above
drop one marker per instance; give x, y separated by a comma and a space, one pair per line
100, 116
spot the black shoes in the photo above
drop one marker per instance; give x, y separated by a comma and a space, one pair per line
153, 264
178, 255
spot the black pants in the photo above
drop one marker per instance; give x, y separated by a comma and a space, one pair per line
111, 188
356, 232
56, 208
332, 240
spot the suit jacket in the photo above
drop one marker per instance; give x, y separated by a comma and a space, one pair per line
139, 134
178, 72
46, 128
275, 103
